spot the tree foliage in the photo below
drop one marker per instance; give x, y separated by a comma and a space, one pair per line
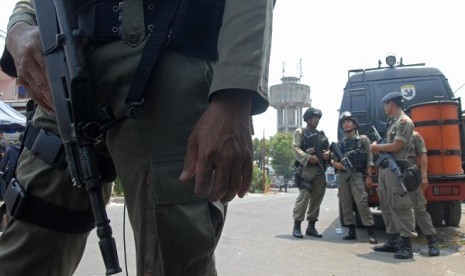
280, 151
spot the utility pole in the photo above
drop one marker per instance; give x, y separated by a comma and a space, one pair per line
263, 162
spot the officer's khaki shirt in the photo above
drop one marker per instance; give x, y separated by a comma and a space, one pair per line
417, 147
400, 128
244, 45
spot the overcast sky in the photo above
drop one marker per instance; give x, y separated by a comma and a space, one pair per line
332, 37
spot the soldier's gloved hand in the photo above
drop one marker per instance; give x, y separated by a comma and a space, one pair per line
23, 43
219, 150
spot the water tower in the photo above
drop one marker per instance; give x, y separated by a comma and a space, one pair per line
288, 98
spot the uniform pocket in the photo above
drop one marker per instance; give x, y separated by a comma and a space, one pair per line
168, 189
400, 199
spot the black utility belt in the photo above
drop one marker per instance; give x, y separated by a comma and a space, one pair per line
401, 164
102, 22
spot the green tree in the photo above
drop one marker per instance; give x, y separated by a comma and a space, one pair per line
257, 180
281, 154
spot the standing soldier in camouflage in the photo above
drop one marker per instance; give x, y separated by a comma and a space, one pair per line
352, 185
417, 155
312, 155
396, 205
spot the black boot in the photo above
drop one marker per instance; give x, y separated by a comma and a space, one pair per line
391, 245
433, 248
311, 231
371, 235
296, 232
351, 235
405, 249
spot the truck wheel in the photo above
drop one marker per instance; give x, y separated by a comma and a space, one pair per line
436, 210
453, 213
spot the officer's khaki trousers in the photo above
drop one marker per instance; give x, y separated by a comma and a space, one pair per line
310, 201
175, 232
353, 191
422, 217
396, 206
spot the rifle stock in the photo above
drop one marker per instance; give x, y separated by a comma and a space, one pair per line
72, 96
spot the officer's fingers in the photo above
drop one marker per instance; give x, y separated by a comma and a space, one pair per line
190, 160
246, 178
221, 182
234, 184
203, 179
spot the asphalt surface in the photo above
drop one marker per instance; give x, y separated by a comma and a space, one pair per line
257, 241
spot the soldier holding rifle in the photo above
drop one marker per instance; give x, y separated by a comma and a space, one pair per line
396, 206
354, 175
312, 156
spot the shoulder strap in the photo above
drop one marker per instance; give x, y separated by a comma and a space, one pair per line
158, 38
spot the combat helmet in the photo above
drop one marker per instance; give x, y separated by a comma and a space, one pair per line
311, 112
347, 115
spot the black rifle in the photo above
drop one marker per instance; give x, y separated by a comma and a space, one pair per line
80, 132
386, 156
343, 159
319, 148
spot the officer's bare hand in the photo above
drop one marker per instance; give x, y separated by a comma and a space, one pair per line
339, 166
219, 150
368, 182
326, 155
424, 183
313, 159
23, 42
374, 148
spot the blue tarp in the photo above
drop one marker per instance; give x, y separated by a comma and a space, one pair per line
10, 119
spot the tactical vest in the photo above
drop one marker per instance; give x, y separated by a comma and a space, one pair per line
309, 138
355, 151
196, 28
194, 31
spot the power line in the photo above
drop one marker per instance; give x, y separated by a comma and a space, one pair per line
463, 84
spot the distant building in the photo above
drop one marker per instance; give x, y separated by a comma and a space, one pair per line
11, 92
288, 98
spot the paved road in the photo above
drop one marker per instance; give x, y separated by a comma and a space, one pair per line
257, 241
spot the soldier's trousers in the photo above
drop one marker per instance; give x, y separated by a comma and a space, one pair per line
310, 201
422, 217
175, 232
396, 205
353, 191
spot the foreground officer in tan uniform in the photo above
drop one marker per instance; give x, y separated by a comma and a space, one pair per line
352, 186
186, 155
418, 155
396, 206
312, 155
